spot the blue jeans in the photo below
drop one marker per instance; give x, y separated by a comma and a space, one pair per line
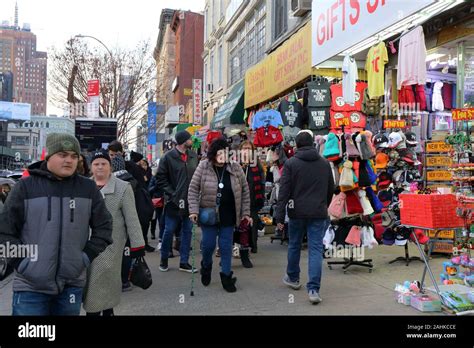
208, 245
27, 303
315, 229
171, 224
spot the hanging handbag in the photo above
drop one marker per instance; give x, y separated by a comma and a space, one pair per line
337, 206
354, 236
141, 275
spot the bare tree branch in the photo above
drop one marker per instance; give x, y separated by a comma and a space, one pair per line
124, 77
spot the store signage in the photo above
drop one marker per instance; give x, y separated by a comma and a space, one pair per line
339, 25
438, 146
463, 114
450, 234
445, 247
439, 161
280, 70
151, 123
197, 101
93, 88
439, 175
394, 124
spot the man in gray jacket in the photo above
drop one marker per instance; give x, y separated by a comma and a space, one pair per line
64, 216
306, 189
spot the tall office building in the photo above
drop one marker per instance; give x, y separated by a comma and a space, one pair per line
18, 55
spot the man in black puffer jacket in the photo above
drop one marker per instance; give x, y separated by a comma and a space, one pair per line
306, 189
64, 216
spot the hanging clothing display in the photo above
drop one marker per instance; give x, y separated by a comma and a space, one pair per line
318, 119
438, 104
412, 58
291, 113
447, 93
375, 66
349, 78
319, 94
267, 118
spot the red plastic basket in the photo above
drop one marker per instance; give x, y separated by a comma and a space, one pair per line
430, 211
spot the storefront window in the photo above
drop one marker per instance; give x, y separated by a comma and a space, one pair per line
469, 76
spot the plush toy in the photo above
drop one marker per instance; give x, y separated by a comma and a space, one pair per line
415, 286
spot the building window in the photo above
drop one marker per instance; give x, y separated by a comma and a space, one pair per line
219, 55
280, 24
20, 140
211, 73
213, 24
260, 39
205, 78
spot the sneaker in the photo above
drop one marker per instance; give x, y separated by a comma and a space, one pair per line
149, 248
294, 285
164, 266
159, 246
127, 287
314, 297
186, 267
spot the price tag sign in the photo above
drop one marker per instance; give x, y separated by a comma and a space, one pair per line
439, 161
439, 175
394, 124
438, 146
345, 121
463, 114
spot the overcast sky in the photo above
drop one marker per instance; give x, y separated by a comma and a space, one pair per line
121, 23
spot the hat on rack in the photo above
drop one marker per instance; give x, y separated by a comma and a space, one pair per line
394, 157
403, 233
363, 146
331, 147
384, 180
381, 160
394, 139
351, 148
388, 237
364, 201
411, 138
380, 141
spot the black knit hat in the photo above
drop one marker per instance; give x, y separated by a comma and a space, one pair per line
135, 156
182, 136
101, 154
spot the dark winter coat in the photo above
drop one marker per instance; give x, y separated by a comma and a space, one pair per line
173, 177
306, 185
57, 216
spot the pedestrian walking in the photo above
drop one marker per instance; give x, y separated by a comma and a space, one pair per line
255, 179
306, 187
104, 285
174, 175
143, 201
219, 200
65, 216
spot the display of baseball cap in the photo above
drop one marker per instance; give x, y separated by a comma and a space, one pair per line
403, 144
388, 218
394, 139
398, 176
384, 180
385, 197
411, 138
388, 237
380, 141
421, 236
381, 160
394, 157
402, 235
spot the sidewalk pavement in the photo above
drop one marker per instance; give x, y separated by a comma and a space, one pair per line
260, 290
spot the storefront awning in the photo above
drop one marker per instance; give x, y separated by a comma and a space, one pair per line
232, 111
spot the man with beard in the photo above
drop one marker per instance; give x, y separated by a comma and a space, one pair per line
174, 175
